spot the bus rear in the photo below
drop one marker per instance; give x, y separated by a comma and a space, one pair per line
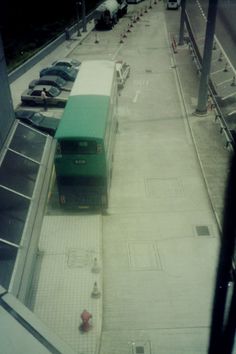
81, 173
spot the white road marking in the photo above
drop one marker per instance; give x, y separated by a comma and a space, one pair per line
136, 96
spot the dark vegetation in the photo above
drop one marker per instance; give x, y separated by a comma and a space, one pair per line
26, 26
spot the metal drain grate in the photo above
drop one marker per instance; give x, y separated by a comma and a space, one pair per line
203, 230
141, 347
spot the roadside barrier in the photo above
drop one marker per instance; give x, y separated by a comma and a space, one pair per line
226, 67
121, 38
220, 57
174, 45
95, 267
233, 83
210, 104
95, 292
96, 38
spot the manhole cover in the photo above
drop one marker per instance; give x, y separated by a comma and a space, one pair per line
77, 258
143, 256
164, 188
203, 230
141, 347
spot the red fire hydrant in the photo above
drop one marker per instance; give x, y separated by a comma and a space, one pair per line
85, 317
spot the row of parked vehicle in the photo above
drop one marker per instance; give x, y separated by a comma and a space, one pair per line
58, 81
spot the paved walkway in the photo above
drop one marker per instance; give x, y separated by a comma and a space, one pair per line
68, 265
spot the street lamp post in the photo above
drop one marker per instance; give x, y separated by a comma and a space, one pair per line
206, 61
77, 4
84, 16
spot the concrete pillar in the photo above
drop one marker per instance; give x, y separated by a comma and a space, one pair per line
182, 19
206, 61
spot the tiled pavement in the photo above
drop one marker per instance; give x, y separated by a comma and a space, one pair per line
65, 276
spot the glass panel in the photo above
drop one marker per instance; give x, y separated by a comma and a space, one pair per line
18, 173
28, 142
7, 261
13, 213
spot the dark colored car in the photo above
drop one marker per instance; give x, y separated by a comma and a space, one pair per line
68, 74
67, 62
38, 121
52, 80
55, 97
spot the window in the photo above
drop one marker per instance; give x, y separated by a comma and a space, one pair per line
7, 261
28, 142
78, 147
18, 173
13, 213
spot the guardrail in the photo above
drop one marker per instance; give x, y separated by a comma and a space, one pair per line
219, 115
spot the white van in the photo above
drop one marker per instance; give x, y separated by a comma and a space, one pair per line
173, 4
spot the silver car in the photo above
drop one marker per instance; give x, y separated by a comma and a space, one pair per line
55, 97
52, 80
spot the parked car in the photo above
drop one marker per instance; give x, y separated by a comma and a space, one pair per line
55, 97
67, 62
52, 80
38, 120
65, 73
173, 4
122, 72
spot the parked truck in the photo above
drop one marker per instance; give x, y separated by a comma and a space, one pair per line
123, 7
109, 12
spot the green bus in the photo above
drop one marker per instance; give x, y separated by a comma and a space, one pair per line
86, 137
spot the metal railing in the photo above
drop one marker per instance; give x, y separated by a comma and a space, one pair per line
219, 114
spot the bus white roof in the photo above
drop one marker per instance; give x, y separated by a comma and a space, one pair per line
95, 77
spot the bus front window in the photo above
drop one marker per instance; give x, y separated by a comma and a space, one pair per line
78, 147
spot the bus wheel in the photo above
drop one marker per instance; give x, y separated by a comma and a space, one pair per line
117, 127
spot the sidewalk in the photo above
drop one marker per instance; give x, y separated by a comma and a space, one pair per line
64, 279
209, 142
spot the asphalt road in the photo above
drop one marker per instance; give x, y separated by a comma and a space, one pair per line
225, 23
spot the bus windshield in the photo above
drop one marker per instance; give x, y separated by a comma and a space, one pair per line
78, 147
